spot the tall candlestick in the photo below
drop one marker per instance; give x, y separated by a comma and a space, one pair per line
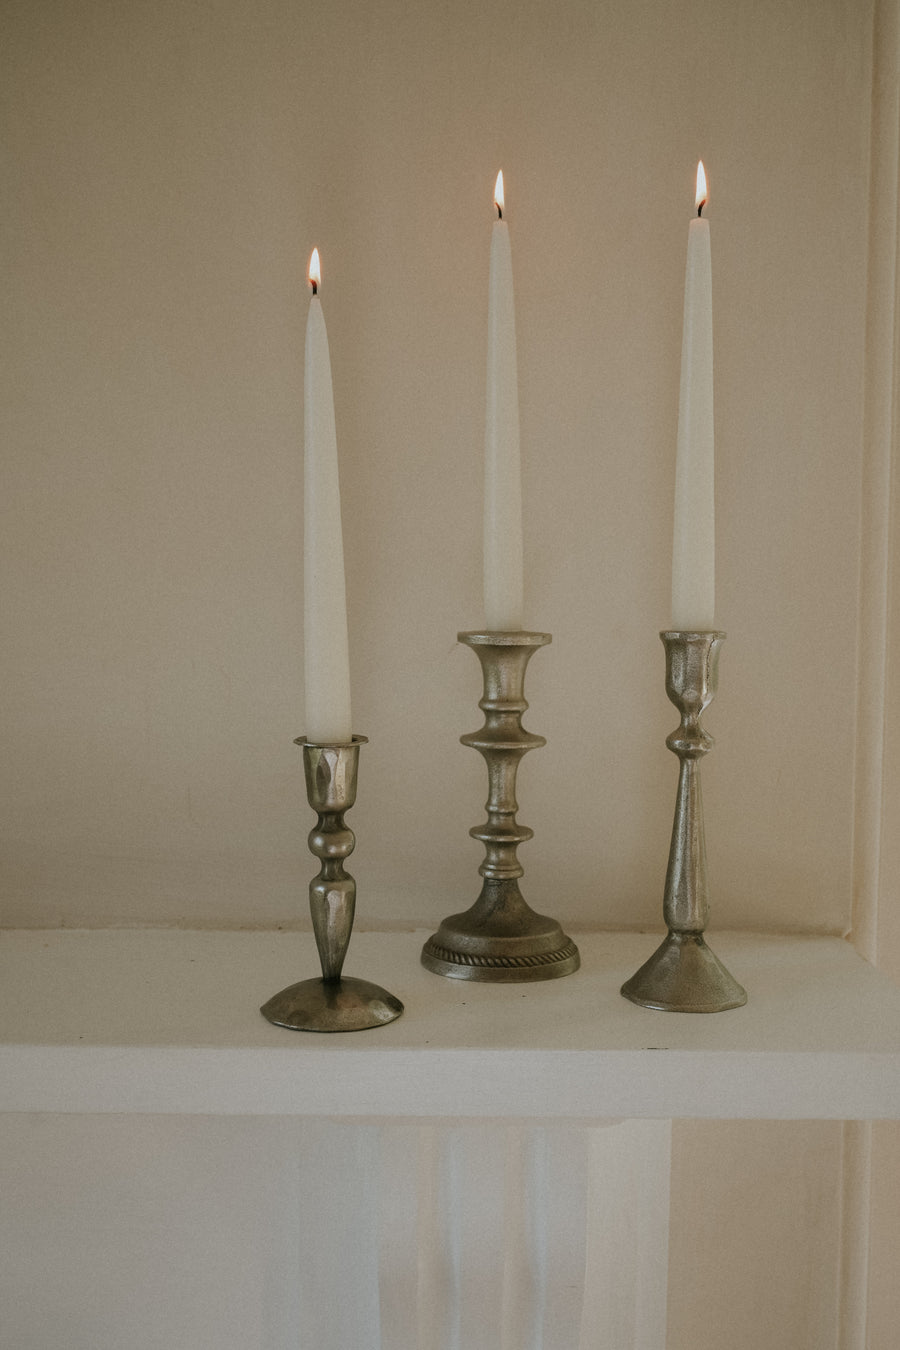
502, 467
325, 651
694, 542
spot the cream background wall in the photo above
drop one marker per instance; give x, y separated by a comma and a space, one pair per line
169, 168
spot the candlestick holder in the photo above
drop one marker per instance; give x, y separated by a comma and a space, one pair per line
335, 1002
501, 938
683, 974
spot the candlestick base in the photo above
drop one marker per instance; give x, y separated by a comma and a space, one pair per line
335, 1002
345, 1004
683, 975
501, 939
473, 945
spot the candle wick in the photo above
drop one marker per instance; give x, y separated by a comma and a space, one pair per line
499, 210
700, 208
315, 288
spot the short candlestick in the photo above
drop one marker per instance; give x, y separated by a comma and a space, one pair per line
335, 1002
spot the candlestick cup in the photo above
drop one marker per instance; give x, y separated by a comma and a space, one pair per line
500, 938
335, 1002
683, 974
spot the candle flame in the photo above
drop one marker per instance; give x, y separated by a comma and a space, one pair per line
314, 275
499, 200
702, 196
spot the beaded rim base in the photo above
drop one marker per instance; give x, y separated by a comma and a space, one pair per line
494, 966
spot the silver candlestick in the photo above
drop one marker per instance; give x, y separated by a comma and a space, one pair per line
683, 975
500, 938
335, 1002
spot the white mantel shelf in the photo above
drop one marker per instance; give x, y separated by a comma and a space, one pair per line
168, 1021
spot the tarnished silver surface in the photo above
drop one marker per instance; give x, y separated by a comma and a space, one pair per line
335, 1002
501, 938
683, 974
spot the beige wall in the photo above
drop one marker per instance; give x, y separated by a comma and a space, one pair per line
754, 1240
171, 166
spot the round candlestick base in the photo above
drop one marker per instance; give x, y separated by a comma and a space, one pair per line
500, 940
684, 975
346, 1004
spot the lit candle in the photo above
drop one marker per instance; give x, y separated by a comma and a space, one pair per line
325, 653
694, 540
502, 469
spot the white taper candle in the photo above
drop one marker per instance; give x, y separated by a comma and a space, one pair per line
503, 588
325, 649
694, 540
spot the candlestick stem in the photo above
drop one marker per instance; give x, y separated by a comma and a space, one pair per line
335, 1002
501, 938
683, 974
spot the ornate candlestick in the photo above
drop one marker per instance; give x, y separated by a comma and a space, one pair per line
500, 938
335, 1002
683, 975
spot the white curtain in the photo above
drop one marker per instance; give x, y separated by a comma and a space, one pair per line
484, 1236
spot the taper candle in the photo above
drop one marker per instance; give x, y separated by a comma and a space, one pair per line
694, 547
503, 589
325, 649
